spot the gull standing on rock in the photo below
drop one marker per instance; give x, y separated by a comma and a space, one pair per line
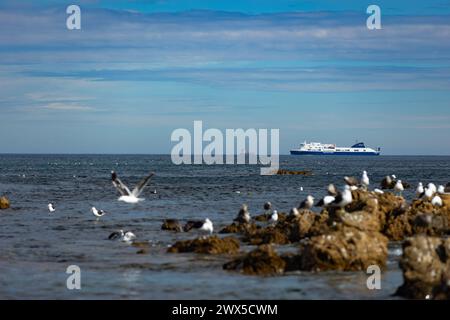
308, 203
274, 216
294, 212
243, 215
399, 187
267, 207
447, 188
332, 191
126, 195
441, 189
365, 179
437, 201
343, 199
420, 190
352, 182
204, 226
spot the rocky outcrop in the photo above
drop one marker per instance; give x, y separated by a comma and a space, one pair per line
237, 227
4, 203
263, 261
208, 245
266, 235
426, 267
346, 249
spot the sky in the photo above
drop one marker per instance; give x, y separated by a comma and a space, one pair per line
137, 70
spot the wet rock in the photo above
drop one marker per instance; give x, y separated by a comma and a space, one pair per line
398, 227
426, 265
263, 261
266, 217
4, 203
243, 228
208, 245
267, 235
172, 225
346, 249
362, 220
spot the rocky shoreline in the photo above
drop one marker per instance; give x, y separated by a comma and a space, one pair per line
350, 238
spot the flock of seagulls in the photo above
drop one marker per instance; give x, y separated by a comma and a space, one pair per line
334, 198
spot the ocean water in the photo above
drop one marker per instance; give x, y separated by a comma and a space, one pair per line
36, 247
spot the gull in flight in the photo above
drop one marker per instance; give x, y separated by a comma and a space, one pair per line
127, 195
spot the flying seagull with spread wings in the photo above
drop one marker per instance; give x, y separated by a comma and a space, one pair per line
127, 195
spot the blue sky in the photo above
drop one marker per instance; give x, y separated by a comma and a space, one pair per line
137, 70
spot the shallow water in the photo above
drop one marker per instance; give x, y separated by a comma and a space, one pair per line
36, 248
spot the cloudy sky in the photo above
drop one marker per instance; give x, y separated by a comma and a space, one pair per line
137, 70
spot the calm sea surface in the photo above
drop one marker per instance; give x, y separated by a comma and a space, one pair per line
36, 248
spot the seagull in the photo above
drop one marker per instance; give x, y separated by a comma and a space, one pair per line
437, 201
441, 189
51, 208
399, 187
243, 215
432, 186
128, 236
125, 236
343, 199
98, 213
205, 226
365, 179
378, 191
267, 207
294, 212
126, 195
307, 203
420, 190
352, 182
325, 201
301, 188
429, 193
332, 191
274, 216
116, 235
386, 183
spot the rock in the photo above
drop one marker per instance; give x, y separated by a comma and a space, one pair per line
209, 245
263, 261
266, 236
398, 227
142, 251
346, 249
4, 203
172, 225
141, 244
361, 220
426, 265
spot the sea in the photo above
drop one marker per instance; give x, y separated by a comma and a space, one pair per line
36, 247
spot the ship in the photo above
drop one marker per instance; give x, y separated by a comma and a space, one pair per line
317, 148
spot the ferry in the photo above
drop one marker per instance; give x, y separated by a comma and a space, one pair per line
317, 148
